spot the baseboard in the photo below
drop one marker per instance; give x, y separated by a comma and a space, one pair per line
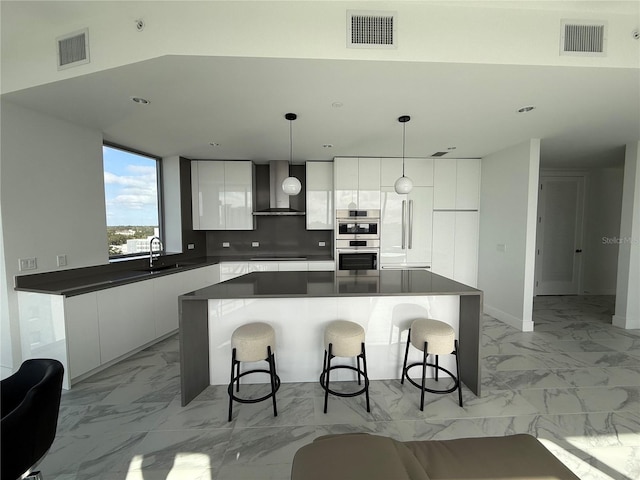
625, 322
507, 318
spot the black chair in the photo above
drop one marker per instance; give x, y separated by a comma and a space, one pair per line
30, 405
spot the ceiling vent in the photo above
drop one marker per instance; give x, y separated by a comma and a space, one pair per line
583, 37
73, 49
439, 154
371, 29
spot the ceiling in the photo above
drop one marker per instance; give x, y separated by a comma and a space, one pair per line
584, 116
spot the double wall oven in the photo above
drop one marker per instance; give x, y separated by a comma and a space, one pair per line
357, 242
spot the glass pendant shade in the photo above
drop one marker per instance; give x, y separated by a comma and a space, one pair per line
403, 185
291, 186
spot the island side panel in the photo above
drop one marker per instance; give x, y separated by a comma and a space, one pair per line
194, 348
470, 338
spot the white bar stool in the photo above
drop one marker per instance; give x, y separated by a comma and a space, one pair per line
436, 338
344, 339
253, 342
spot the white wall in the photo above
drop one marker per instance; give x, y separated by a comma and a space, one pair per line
52, 201
602, 222
462, 33
508, 207
628, 282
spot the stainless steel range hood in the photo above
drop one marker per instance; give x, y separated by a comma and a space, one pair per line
278, 200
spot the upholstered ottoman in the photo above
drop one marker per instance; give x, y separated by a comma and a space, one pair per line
372, 457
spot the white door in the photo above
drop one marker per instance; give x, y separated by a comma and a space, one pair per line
559, 235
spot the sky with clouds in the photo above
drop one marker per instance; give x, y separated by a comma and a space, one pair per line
130, 188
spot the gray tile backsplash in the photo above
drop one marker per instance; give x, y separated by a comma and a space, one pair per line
280, 235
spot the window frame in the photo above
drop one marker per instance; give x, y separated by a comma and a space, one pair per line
132, 256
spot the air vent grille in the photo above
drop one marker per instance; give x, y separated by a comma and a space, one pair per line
73, 49
583, 38
371, 29
439, 154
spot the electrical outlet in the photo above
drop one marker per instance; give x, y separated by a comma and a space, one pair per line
61, 260
255, 244
191, 246
501, 247
226, 244
321, 244
27, 264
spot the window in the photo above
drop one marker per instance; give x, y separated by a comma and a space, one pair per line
131, 182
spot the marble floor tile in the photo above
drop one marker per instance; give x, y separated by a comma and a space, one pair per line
574, 383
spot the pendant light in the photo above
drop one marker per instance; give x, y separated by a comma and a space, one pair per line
291, 185
403, 184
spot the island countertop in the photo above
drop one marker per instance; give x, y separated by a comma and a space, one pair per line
327, 284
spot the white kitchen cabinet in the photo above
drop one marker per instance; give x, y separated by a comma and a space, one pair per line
125, 319
256, 266
229, 270
292, 266
222, 195
455, 245
406, 227
457, 184
322, 266
83, 337
357, 183
419, 170
167, 289
319, 184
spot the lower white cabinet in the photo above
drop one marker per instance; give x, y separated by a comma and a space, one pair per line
263, 267
291, 266
82, 334
455, 245
322, 266
167, 289
229, 270
126, 319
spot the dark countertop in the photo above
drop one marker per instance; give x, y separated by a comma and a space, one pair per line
77, 281
327, 284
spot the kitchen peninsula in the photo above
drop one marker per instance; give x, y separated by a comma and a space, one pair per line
299, 304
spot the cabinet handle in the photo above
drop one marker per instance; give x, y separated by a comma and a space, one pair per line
410, 224
404, 222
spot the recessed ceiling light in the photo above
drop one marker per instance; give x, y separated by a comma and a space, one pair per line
327, 145
214, 144
451, 148
526, 109
337, 104
140, 100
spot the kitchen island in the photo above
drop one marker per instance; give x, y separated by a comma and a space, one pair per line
299, 305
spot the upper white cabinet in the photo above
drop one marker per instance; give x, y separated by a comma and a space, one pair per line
319, 195
357, 183
419, 170
456, 184
222, 195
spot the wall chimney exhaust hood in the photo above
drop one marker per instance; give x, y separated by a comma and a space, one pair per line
278, 200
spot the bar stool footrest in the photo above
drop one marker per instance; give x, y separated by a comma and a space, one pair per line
252, 400
342, 394
430, 390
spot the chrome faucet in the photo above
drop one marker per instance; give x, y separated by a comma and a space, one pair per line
151, 256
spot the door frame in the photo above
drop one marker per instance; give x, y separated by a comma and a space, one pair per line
580, 231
